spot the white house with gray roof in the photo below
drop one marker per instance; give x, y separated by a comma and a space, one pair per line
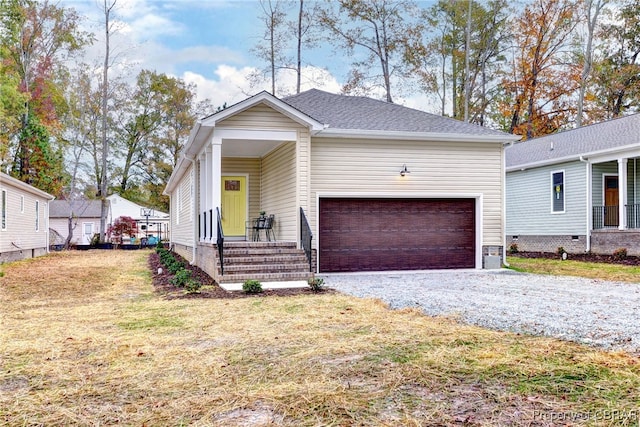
377, 186
577, 189
84, 216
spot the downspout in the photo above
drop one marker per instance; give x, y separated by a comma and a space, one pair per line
589, 202
504, 204
46, 227
194, 211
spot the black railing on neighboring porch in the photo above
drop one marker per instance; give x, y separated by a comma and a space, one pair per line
306, 236
605, 217
220, 242
608, 216
633, 216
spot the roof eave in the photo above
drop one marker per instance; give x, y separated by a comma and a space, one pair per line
415, 136
541, 163
599, 156
26, 187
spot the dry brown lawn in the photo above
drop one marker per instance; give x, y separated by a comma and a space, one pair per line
85, 340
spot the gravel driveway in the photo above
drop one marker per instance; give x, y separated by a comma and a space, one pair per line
594, 312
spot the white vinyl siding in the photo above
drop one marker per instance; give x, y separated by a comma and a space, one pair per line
19, 233
259, 117
442, 168
528, 201
278, 192
182, 218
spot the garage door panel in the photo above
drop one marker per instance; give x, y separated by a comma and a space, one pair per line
394, 234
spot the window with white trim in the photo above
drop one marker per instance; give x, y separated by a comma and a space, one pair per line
37, 215
21, 204
557, 192
3, 209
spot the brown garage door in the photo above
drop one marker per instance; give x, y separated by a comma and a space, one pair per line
396, 234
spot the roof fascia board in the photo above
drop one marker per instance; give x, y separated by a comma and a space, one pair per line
415, 136
271, 101
24, 186
613, 154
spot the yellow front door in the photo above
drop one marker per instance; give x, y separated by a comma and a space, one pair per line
234, 205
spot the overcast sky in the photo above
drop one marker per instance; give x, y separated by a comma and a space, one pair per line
205, 42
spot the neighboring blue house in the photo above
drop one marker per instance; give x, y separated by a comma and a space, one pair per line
578, 189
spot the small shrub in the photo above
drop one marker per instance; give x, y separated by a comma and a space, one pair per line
620, 254
192, 286
181, 277
252, 286
513, 249
561, 251
175, 266
316, 284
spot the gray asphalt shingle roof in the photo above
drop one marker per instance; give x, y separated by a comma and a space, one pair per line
362, 113
609, 135
83, 208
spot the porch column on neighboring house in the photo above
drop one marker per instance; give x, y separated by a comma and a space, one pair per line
622, 194
216, 181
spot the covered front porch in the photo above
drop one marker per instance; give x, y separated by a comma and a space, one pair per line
615, 194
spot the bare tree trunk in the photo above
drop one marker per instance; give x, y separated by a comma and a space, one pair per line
467, 82
299, 58
104, 211
273, 57
592, 20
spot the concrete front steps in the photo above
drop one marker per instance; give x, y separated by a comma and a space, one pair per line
274, 264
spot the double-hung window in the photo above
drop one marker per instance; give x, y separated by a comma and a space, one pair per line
557, 192
37, 215
3, 210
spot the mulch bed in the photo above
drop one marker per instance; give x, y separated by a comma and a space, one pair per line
210, 289
587, 257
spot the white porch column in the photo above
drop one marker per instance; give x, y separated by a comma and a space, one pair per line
622, 194
202, 197
216, 181
207, 194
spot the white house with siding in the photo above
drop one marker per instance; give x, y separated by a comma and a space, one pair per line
381, 186
24, 220
85, 220
577, 189
150, 221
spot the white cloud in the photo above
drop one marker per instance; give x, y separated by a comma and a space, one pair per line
232, 84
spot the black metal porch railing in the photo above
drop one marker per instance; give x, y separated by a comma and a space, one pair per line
220, 242
306, 236
204, 223
211, 222
633, 216
605, 217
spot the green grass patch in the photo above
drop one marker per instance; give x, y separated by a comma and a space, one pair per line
592, 270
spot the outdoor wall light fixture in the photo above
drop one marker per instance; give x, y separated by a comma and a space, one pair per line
404, 170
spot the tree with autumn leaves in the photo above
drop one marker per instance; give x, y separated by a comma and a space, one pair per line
37, 38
